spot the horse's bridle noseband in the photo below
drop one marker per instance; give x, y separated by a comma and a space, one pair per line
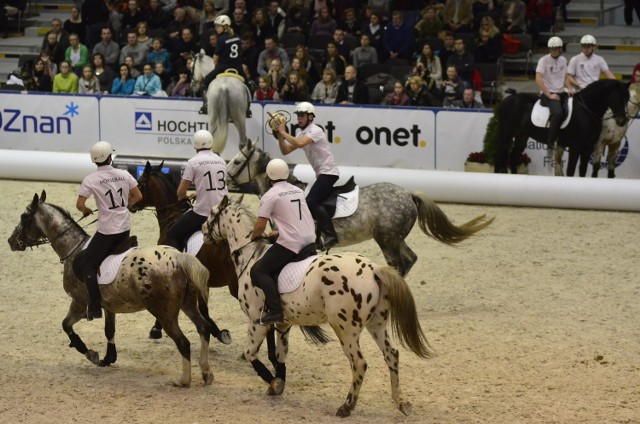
244, 165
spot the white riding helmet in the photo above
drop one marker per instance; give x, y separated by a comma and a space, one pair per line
202, 140
222, 20
588, 40
305, 107
101, 151
277, 169
554, 42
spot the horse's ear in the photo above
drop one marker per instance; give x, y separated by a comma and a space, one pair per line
147, 168
34, 202
159, 167
224, 202
241, 198
43, 196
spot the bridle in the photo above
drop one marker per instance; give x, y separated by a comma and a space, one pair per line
244, 165
143, 186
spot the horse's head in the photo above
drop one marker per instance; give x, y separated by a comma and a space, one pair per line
28, 232
247, 164
201, 65
213, 229
158, 189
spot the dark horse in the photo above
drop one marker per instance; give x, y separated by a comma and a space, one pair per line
580, 135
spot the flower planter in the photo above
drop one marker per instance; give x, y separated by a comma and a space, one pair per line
485, 167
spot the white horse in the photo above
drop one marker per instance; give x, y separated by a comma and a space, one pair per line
227, 98
347, 290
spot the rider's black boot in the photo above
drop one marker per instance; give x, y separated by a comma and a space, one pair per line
325, 224
94, 310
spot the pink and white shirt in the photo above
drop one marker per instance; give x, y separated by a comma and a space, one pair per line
587, 69
553, 72
208, 172
318, 153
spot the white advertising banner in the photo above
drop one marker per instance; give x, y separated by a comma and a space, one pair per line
372, 136
48, 122
162, 127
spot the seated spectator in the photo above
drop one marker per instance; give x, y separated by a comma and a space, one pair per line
133, 71
430, 26
88, 83
352, 90
59, 36
350, 24
323, 24
468, 100
488, 49
155, 16
540, 17
398, 97
271, 52
448, 49
488, 24
53, 49
143, 34
307, 62
103, 73
276, 75
159, 54
326, 91
134, 49
147, 84
77, 54
482, 8
375, 30
341, 45
513, 17
180, 21
635, 75
50, 67
181, 84
431, 64
44, 83
296, 65
419, 94
74, 25
462, 60
239, 24
209, 41
398, 37
458, 15
294, 90
207, 17
265, 92
165, 78
261, 27
452, 88
365, 53
334, 60
296, 21
65, 81
109, 49
381, 7
183, 47
276, 17
132, 17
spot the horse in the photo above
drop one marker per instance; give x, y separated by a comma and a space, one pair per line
347, 290
611, 135
157, 278
159, 191
227, 98
386, 213
580, 135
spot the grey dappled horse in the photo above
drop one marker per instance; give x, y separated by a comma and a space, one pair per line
157, 278
347, 290
386, 213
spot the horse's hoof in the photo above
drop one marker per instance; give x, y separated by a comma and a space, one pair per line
180, 383
207, 377
405, 407
224, 337
155, 333
93, 356
343, 411
276, 387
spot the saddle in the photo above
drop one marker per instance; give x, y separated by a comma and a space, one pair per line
119, 251
291, 276
540, 114
331, 202
230, 73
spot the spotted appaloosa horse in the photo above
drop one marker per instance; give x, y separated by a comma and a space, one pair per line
157, 278
348, 291
386, 212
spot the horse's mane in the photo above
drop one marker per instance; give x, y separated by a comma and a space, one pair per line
67, 215
171, 184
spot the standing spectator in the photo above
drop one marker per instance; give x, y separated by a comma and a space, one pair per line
629, 7
295, 89
54, 49
44, 83
352, 90
398, 38
132, 17
398, 97
134, 49
468, 100
147, 84
265, 92
462, 60
334, 60
272, 51
181, 85
323, 24
61, 36
165, 78
374, 29
326, 91
586, 67
135, 73
365, 53
75, 25
261, 27
125, 83
343, 48
451, 88
65, 81
95, 15
430, 26
103, 73
296, 21
276, 18
513, 17
208, 17
108, 48
143, 34
88, 83
77, 54
419, 94
276, 75
249, 53
159, 54
458, 15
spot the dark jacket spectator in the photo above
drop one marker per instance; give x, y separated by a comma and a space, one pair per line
398, 38
352, 90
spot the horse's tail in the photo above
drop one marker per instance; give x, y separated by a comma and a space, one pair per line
197, 274
315, 334
403, 315
435, 224
219, 116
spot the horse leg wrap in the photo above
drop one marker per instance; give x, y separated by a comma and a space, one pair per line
77, 342
262, 371
111, 356
281, 371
